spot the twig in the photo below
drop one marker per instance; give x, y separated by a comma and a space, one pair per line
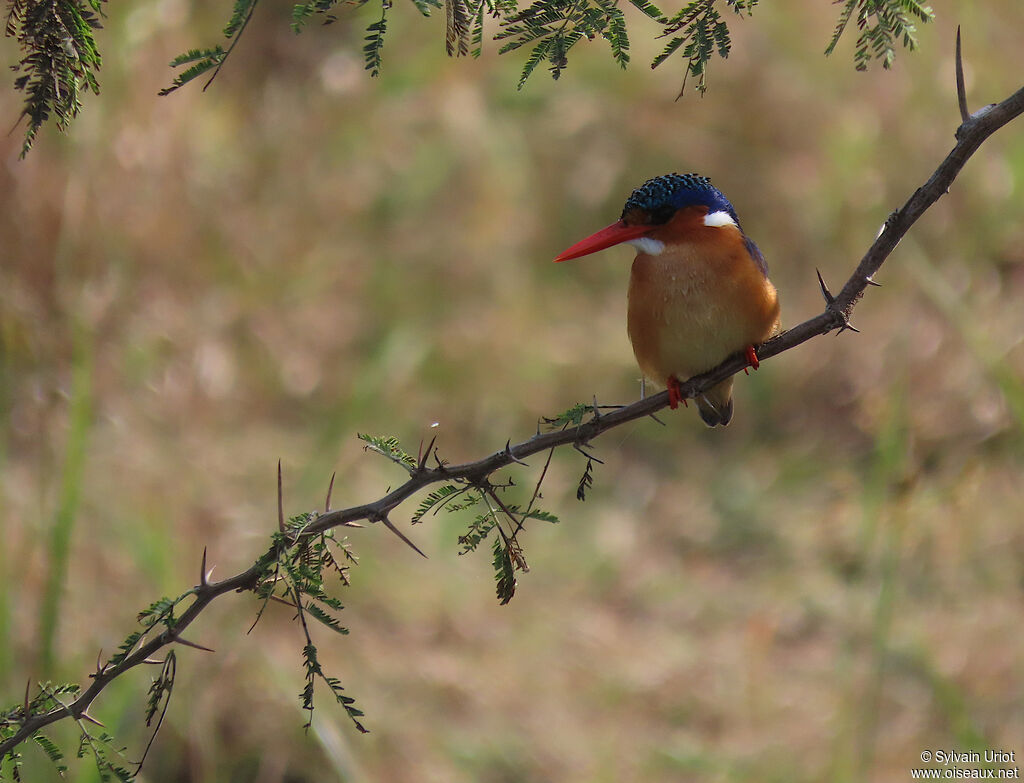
234, 43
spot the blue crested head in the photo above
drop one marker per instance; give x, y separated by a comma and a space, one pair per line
660, 197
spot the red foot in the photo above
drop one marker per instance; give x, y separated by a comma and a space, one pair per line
675, 393
752, 357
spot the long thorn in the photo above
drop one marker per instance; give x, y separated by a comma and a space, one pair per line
330, 489
187, 643
203, 582
28, 687
829, 299
961, 88
510, 455
871, 281
388, 524
86, 716
422, 462
280, 500
580, 449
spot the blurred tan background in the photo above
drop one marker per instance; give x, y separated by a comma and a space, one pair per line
195, 286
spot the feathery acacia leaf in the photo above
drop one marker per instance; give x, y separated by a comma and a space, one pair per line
60, 58
699, 29
387, 446
161, 687
372, 50
458, 28
53, 753
433, 499
543, 516
126, 647
194, 55
302, 12
326, 619
586, 481
615, 31
477, 533
882, 23
240, 14
296, 569
571, 417
504, 572
648, 9
214, 59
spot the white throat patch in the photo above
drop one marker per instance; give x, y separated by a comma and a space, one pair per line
719, 219
652, 247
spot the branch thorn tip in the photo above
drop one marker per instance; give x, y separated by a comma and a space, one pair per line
390, 526
961, 88
829, 299
510, 455
280, 500
330, 489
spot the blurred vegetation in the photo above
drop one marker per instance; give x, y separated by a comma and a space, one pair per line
60, 58
194, 286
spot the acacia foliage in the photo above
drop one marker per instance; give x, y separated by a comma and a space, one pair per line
60, 57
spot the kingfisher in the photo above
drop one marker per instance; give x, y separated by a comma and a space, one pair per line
699, 288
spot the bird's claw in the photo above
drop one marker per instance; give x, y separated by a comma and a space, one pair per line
675, 393
752, 359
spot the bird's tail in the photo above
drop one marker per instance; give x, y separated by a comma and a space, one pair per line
715, 405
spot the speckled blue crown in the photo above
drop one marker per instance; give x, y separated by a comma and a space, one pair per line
676, 191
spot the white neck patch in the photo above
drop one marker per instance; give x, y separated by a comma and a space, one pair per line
719, 219
652, 247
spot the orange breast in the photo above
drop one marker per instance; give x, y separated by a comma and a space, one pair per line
700, 300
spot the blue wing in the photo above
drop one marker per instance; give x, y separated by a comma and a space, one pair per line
756, 255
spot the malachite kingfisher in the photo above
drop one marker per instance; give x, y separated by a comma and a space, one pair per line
699, 289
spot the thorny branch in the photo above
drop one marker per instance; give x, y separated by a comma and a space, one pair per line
972, 133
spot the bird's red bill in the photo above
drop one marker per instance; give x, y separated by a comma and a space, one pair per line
615, 234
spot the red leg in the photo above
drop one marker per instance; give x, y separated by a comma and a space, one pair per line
752, 357
675, 393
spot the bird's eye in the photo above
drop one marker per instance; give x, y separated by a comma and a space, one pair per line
660, 215
648, 215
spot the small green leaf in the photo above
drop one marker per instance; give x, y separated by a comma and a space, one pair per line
201, 67
192, 55
373, 58
302, 12
239, 16
649, 9
571, 417
126, 647
543, 516
385, 446
326, 619
53, 753
586, 481
504, 573
478, 531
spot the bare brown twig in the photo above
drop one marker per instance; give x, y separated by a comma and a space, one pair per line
972, 133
